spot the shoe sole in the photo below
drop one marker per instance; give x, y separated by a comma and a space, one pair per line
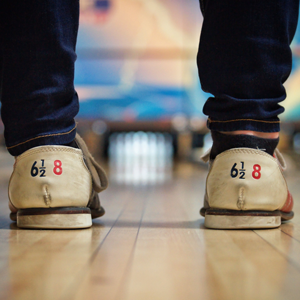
55, 218
230, 219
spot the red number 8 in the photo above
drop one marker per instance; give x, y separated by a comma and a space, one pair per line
256, 173
57, 167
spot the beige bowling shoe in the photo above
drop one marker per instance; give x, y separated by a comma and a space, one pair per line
56, 187
245, 189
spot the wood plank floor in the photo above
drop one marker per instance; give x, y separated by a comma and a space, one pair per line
151, 244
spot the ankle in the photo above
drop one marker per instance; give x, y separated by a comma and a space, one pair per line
264, 135
243, 139
73, 144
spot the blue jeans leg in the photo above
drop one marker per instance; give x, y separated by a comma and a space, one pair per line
243, 60
39, 102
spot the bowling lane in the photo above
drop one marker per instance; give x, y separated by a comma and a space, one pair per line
151, 242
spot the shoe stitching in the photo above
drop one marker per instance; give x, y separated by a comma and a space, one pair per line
251, 151
248, 151
82, 160
43, 149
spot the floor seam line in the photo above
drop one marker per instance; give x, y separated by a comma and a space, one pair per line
290, 261
129, 263
95, 252
290, 235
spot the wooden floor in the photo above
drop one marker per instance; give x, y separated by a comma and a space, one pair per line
151, 244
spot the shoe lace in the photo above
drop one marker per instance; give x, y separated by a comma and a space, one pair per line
280, 159
99, 178
206, 155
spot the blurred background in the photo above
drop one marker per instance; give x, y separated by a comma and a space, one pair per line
140, 96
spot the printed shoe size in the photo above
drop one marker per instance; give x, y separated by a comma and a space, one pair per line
56, 187
245, 188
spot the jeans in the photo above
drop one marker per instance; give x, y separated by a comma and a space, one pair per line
244, 58
37, 55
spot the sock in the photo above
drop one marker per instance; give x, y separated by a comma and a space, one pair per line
223, 142
73, 144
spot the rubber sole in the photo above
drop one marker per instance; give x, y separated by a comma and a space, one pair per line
54, 218
231, 219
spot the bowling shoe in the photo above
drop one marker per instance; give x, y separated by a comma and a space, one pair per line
246, 189
56, 187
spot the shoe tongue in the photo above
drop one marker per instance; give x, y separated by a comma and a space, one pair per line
223, 142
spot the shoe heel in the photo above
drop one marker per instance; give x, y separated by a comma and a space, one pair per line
227, 219
55, 218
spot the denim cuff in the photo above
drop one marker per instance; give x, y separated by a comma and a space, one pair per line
244, 124
43, 140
